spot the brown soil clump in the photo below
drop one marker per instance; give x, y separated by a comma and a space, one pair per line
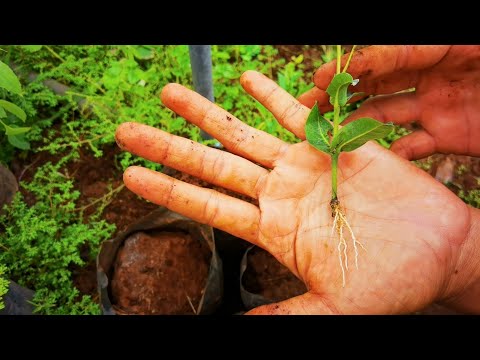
160, 273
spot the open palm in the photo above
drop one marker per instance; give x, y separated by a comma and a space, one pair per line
412, 227
446, 100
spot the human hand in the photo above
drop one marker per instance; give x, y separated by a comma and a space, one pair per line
418, 236
446, 101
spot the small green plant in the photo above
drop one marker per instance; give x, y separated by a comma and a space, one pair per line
15, 134
462, 169
328, 137
40, 243
471, 197
3, 285
329, 53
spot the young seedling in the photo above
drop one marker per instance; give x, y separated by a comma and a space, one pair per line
328, 137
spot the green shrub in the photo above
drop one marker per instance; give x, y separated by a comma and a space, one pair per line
471, 197
40, 243
3, 285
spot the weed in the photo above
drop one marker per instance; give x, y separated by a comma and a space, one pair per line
41, 242
3, 285
471, 197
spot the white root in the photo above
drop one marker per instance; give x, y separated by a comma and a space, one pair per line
354, 239
339, 247
339, 221
334, 223
341, 262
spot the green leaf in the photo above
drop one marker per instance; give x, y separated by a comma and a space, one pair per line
349, 96
143, 52
338, 88
31, 48
316, 130
14, 130
2, 113
8, 79
14, 109
358, 132
19, 141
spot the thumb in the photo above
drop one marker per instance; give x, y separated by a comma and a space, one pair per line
306, 304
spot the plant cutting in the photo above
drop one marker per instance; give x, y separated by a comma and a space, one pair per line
328, 137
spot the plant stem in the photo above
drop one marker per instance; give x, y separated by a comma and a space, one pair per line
103, 198
334, 174
349, 58
336, 117
54, 53
336, 123
339, 57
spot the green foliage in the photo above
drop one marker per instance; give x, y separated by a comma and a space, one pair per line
318, 129
41, 239
329, 53
110, 85
15, 135
14, 109
229, 62
319, 133
327, 137
461, 169
8, 79
358, 132
338, 88
41, 242
471, 197
3, 285
32, 48
291, 77
397, 133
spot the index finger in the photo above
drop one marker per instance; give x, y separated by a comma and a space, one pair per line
236, 136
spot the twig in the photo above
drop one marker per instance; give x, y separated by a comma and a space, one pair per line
109, 194
191, 305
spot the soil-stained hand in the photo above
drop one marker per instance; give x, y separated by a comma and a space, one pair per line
415, 231
446, 100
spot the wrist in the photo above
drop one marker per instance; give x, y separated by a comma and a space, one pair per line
463, 292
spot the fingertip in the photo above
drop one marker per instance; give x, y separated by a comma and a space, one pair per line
248, 78
123, 131
324, 75
170, 93
306, 99
130, 175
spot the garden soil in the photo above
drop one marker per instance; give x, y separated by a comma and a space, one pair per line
168, 263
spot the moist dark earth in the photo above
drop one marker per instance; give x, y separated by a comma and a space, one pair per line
93, 176
265, 276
